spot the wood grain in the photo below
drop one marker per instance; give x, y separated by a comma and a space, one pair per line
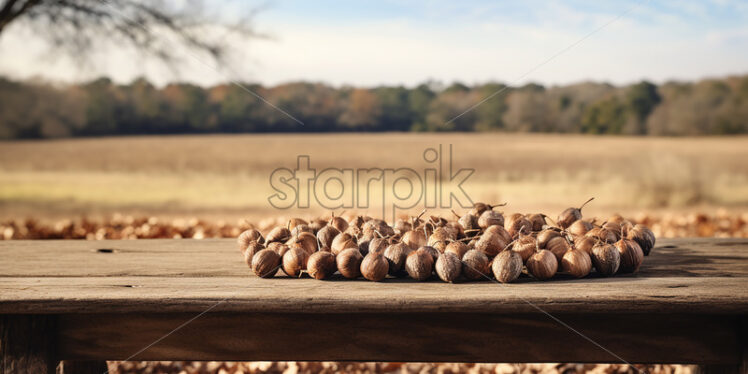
284, 295
110, 299
681, 276
702, 257
434, 337
27, 344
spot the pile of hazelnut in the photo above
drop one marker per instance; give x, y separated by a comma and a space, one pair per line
479, 245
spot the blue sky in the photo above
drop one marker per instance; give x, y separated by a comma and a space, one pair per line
406, 42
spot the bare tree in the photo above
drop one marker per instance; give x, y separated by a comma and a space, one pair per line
154, 27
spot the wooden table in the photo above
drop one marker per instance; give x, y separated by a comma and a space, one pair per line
89, 301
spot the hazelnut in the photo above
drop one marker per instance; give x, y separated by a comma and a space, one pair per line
475, 265
321, 265
542, 265
374, 267
448, 267
265, 263
606, 258
294, 261
507, 266
349, 263
419, 264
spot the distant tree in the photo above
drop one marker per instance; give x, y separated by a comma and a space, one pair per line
445, 109
363, 110
641, 100
489, 115
419, 101
607, 116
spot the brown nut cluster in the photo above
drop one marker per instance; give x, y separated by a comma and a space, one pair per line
481, 244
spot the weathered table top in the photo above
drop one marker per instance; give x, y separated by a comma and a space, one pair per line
680, 276
196, 300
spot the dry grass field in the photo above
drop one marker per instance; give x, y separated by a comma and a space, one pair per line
227, 176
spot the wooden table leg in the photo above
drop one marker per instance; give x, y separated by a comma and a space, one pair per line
742, 366
83, 367
27, 344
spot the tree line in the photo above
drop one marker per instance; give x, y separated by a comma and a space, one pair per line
38, 109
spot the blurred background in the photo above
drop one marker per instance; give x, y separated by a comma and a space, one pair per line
145, 119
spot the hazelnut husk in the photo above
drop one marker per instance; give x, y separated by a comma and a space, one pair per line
293, 222
585, 243
546, 235
617, 218
396, 255
402, 226
558, 246
265, 263
441, 235
294, 261
321, 265
250, 252
613, 227
570, 215
354, 231
490, 218
579, 227
643, 236
475, 265
343, 241
525, 246
632, 255
479, 208
378, 245
325, 236
302, 228
448, 267
414, 238
339, 223
603, 235
249, 236
577, 263
507, 266
516, 224
537, 220
374, 267
490, 244
357, 221
606, 258
419, 264
456, 229
458, 248
349, 263
306, 241
542, 265
430, 250
317, 224
278, 234
279, 248
469, 224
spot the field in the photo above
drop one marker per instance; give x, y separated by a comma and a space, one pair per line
226, 177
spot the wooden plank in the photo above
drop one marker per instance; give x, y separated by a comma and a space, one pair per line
703, 257
682, 276
27, 344
624, 294
432, 337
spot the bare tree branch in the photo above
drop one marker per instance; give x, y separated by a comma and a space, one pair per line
75, 26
